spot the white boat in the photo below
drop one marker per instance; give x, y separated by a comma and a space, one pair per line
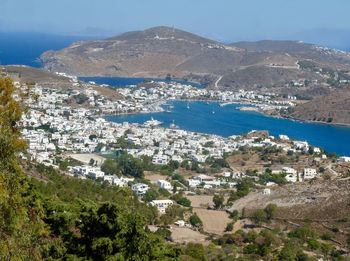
225, 103
173, 126
188, 105
152, 123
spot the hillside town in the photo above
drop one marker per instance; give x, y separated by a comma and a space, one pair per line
151, 95
176, 131
54, 129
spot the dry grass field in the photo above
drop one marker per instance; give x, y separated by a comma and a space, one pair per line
201, 201
154, 176
186, 235
214, 221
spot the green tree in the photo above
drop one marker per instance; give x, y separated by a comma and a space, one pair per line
111, 231
21, 225
259, 216
218, 201
196, 251
234, 215
150, 195
270, 211
291, 251
111, 167
183, 201
304, 233
196, 221
130, 166
229, 227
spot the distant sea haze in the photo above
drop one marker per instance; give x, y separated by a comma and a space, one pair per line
26, 48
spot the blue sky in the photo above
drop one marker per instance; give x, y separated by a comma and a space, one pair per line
226, 20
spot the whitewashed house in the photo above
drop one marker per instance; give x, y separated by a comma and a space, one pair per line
162, 204
267, 191
309, 173
193, 183
140, 189
344, 159
160, 159
164, 184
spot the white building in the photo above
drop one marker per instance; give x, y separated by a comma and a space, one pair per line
193, 183
160, 159
164, 184
344, 159
283, 137
96, 173
291, 174
140, 189
309, 173
162, 205
267, 191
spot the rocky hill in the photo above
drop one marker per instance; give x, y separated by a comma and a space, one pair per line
316, 200
160, 51
332, 108
32, 76
154, 52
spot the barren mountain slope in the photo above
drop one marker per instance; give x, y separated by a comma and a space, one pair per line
315, 200
159, 51
153, 52
332, 108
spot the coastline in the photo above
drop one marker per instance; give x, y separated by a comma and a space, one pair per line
244, 109
196, 84
315, 122
164, 102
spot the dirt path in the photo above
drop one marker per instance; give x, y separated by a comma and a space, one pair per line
217, 82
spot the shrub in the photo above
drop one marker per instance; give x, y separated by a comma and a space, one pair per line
218, 200
304, 233
229, 227
326, 236
196, 221
184, 202
313, 244
259, 216
270, 211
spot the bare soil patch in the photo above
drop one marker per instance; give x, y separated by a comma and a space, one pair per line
85, 158
201, 201
214, 221
186, 235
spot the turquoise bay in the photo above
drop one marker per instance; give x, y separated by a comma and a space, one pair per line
229, 120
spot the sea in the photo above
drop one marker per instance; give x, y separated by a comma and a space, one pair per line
229, 120
127, 81
25, 48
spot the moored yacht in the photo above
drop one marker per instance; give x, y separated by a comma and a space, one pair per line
152, 123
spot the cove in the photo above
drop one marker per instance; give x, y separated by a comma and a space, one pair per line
127, 81
229, 120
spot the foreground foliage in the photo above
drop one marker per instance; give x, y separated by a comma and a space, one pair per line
51, 216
